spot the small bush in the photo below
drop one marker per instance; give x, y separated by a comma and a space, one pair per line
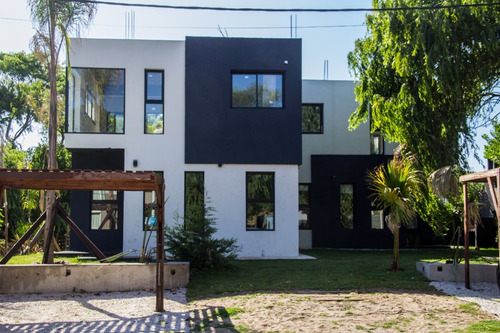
191, 239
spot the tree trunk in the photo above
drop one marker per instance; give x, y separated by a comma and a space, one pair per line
395, 257
5, 212
48, 249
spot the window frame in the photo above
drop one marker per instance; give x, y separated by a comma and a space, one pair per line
260, 200
69, 75
144, 208
105, 202
321, 106
352, 206
154, 101
381, 213
376, 134
256, 74
308, 208
185, 188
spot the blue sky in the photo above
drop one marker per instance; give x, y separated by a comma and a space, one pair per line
325, 36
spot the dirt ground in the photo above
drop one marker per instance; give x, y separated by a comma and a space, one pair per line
301, 311
384, 311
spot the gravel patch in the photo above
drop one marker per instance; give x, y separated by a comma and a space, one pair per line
486, 295
93, 312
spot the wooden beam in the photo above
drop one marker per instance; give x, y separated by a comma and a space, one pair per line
90, 245
23, 239
479, 177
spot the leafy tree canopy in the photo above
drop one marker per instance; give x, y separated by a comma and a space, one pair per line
492, 148
425, 76
23, 85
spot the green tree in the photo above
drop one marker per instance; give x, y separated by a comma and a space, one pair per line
193, 240
54, 19
492, 147
394, 187
425, 76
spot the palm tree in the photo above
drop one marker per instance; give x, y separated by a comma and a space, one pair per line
54, 20
394, 187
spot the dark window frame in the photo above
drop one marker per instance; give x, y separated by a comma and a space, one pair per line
352, 206
154, 101
260, 200
321, 106
185, 187
94, 202
145, 208
66, 113
256, 74
308, 208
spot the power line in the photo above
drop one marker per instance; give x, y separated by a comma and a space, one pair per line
236, 28
317, 10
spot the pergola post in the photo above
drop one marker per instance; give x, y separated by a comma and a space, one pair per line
160, 251
466, 237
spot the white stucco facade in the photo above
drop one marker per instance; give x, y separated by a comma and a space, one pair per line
225, 184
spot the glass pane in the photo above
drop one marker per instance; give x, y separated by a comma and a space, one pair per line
260, 186
347, 206
104, 195
304, 206
311, 119
376, 143
270, 90
377, 219
194, 194
154, 86
104, 210
260, 216
244, 90
154, 118
96, 100
150, 210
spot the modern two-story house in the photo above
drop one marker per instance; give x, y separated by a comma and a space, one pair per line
214, 115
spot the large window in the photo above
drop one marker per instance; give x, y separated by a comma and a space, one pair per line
154, 100
260, 200
194, 194
312, 118
104, 208
347, 206
377, 219
304, 206
257, 91
96, 100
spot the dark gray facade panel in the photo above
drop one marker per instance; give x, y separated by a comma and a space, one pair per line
216, 132
108, 241
327, 173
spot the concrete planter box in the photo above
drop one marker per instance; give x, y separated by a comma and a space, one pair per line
89, 277
444, 272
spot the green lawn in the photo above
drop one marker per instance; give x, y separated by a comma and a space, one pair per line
332, 270
37, 258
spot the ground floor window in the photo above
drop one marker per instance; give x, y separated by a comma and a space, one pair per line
150, 208
377, 219
304, 207
104, 206
260, 201
194, 193
347, 206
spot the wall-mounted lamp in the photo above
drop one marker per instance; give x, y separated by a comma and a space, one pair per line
220, 165
135, 163
285, 62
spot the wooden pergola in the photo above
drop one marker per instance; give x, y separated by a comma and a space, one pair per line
89, 180
492, 177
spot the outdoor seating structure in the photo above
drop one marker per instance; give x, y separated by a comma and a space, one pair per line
90, 180
492, 177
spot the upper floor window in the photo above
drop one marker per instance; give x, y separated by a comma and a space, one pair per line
96, 100
376, 143
154, 100
260, 200
312, 118
257, 90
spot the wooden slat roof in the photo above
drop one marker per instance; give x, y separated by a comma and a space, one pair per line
480, 177
80, 180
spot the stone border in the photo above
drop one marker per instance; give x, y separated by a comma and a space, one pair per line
57, 278
436, 271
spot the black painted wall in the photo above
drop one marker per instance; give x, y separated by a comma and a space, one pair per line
328, 172
217, 133
108, 241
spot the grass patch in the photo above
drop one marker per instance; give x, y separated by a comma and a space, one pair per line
333, 270
472, 308
484, 326
28, 259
